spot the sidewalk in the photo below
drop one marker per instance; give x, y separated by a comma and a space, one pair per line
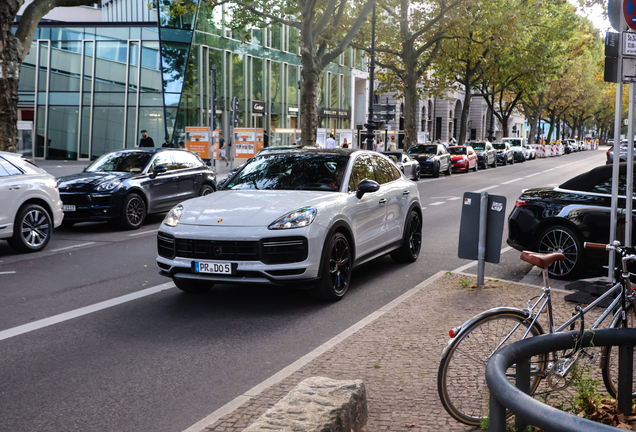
396, 352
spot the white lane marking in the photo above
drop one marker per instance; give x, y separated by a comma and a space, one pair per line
437, 203
143, 232
532, 175
474, 263
56, 319
485, 189
7, 272
73, 247
512, 181
423, 208
304, 360
548, 170
454, 198
442, 197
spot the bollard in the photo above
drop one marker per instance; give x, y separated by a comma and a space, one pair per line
625, 378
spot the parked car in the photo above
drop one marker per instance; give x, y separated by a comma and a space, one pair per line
622, 155
486, 154
572, 144
433, 158
124, 186
518, 146
532, 153
560, 219
410, 167
464, 158
31, 205
304, 218
505, 155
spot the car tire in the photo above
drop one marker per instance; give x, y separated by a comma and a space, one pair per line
31, 230
416, 176
335, 273
436, 171
562, 239
206, 189
411, 239
192, 287
449, 169
133, 212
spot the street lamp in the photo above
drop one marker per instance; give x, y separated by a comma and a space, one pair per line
491, 131
370, 124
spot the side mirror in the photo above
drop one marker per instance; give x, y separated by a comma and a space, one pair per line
158, 170
367, 186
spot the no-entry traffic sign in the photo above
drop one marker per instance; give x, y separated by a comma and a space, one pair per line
629, 13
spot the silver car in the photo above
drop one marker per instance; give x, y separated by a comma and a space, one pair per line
31, 204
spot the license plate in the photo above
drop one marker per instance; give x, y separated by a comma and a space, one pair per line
216, 268
69, 208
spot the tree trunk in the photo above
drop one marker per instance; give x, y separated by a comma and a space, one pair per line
505, 118
552, 120
410, 109
468, 87
308, 100
10, 60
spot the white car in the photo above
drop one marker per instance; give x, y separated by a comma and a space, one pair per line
532, 153
31, 204
296, 217
518, 146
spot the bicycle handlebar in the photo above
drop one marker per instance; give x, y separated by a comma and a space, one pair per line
598, 246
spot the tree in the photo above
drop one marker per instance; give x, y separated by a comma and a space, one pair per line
326, 29
13, 50
408, 40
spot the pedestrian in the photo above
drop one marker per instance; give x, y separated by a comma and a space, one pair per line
393, 146
265, 139
182, 145
379, 147
222, 149
167, 143
345, 144
145, 140
330, 143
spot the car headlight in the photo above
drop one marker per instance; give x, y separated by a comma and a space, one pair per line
108, 186
173, 216
430, 159
299, 218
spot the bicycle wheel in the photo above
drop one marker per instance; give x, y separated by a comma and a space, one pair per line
461, 379
609, 364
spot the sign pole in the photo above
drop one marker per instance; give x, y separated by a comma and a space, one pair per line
481, 248
617, 138
630, 166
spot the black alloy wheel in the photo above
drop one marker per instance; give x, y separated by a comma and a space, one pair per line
436, 170
561, 239
416, 175
411, 239
336, 270
32, 229
133, 212
206, 190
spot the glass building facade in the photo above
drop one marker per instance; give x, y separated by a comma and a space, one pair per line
90, 88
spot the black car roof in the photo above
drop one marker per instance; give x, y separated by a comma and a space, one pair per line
586, 181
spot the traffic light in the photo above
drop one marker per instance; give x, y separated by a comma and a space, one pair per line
235, 113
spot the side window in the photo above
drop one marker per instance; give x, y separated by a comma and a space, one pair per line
362, 170
9, 167
605, 187
383, 171
163, 159
3, 172
185, 160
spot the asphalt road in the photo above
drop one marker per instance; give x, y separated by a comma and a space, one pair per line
166, 360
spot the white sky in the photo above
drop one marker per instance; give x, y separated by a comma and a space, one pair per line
595, 14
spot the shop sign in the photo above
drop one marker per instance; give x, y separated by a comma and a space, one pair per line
293, 109
258, 107
334, 112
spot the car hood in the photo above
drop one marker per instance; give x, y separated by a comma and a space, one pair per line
422, 155
87, 181
230, 208
458, 157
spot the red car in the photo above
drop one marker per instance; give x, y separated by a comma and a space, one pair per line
464, 158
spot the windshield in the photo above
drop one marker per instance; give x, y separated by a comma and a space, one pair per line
121, 162
457, 150
422, 149
513, 142
479, 146
499, 146
321, 172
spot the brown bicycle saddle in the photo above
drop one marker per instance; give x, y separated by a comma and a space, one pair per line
542, 260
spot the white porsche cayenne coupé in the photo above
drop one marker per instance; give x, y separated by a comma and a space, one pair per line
302, 217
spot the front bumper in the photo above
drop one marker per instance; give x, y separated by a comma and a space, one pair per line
92, 206
427, 167
254, 263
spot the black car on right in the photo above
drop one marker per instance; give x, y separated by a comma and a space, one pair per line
560, 219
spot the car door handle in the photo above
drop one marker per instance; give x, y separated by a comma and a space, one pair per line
406, 192
382, 201
14, 187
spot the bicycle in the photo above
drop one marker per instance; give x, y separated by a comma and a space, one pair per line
461, 380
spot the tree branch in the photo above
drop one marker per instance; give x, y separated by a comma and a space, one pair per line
326, 16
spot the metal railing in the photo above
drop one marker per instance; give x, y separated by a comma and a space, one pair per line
505, 396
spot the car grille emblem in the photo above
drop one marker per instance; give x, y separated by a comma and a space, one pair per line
219, 221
